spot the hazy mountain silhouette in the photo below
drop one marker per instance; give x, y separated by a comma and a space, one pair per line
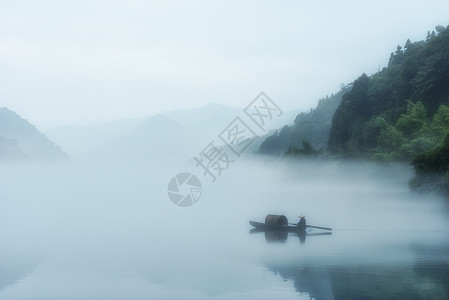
210, 112
179, 133
207, 122
21, 139
79, 140
156, 138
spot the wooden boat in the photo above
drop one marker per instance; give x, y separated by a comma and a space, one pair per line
277, 228
263, 227
280, 222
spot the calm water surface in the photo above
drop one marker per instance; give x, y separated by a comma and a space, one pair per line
109, 232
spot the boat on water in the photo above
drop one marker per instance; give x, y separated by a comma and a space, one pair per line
277, 229
280, 222
262, 227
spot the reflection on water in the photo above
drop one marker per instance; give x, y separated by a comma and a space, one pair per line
419, 281
111, 233
12, 271
280, 236
425, 275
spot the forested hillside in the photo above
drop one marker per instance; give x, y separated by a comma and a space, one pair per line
401, 111
312, 127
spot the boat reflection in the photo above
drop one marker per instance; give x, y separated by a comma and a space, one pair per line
281, 236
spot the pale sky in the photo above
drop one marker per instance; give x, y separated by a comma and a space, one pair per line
87, 61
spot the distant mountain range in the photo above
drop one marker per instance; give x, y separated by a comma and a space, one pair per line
157, 138
79, 140
20, 140
171, 135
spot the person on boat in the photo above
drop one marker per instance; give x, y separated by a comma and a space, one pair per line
302, 223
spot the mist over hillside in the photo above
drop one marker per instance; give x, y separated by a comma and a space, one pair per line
313, 126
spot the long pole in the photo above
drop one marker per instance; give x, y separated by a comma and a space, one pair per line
318, 227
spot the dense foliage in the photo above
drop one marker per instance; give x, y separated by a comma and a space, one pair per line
306, 150
432, 168
401, 111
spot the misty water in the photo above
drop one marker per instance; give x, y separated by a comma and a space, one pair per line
105, 231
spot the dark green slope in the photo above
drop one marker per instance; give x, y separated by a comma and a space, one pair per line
391, 114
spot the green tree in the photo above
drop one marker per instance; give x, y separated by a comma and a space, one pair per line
390, 139
307, 150
439, 29
440, 123
408, 44
414, 120
434, 161
414, 147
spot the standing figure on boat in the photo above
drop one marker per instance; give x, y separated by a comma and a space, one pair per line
302, 223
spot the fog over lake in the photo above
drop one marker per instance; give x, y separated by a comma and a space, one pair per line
108, 231
224, 150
